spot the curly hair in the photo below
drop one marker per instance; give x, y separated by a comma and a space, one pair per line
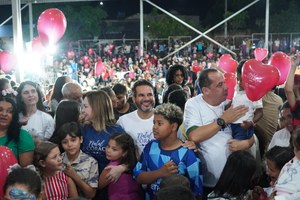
170, 112
171, 74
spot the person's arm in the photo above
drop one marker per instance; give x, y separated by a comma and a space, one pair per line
207, 131
258, 114
72, 188
236, 145
88, 191
289, 85
115, 172
102, 183
148, 177
25, 158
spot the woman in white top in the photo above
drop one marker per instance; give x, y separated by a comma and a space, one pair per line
32, 114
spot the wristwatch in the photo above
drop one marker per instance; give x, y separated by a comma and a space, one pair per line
221, 122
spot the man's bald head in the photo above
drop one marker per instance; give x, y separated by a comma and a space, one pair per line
72, 91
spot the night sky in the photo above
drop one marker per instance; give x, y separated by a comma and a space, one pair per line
115, 8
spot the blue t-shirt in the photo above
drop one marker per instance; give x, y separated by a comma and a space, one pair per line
94, 143
153, 158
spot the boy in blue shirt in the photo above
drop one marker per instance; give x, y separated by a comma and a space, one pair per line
165, 155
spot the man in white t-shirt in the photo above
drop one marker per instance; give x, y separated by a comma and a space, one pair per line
208, 123
139, 123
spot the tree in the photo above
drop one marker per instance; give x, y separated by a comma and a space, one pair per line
240, 21
159, 25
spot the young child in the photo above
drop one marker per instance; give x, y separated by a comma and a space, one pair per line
57, 185
82, 168
235, 180
243, 128
23, 183
121, 151
287, 185
165, 155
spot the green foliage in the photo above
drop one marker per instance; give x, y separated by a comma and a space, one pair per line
162, 26
238, 22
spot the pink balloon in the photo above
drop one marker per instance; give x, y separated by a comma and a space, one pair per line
7, 159
111, 73
230, 81
147, 56
114, 60
71, 54
227, 63
210, 55
51, 26
100, 67
260, 53
258, 78
37, 46
283, 63
90, 51
86, 66
119, 60
7, 61
99, 59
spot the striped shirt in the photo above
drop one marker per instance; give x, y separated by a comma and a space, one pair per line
56, 187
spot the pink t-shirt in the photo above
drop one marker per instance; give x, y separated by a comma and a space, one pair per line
126, 188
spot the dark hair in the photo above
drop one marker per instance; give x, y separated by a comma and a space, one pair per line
27, 177
108, 91
203, 79
127, 144
67, 111
296, 139
171, 74
174, 179
56, 91
141, 82
13, 132
178, 97
20, 103
170, 89
3, 82
237, 174
72, 129
120, 89
176, 192
170, 112
280, 155
240, 66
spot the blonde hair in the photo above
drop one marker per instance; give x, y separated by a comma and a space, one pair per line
101, 105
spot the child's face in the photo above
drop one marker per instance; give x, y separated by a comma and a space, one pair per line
162, 128
114, 151
272, 170
53, 162
71, 145
87, 110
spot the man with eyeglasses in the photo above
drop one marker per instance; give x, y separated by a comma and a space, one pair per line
283, 136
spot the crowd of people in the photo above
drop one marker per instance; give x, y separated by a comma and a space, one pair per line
148, 129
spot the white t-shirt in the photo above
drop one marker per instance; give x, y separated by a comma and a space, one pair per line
280, 138
215, 149
139, 129
40, 125
240, 98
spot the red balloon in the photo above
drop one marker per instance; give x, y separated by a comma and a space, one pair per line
100, 67
90, 51
230, 81
119, 60
260, 53
7, 61
51, 26
196, 68
7, 159
258, 78
227, 63
114, 60
283, 63
37, 46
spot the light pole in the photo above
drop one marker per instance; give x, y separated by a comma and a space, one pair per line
225, 25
